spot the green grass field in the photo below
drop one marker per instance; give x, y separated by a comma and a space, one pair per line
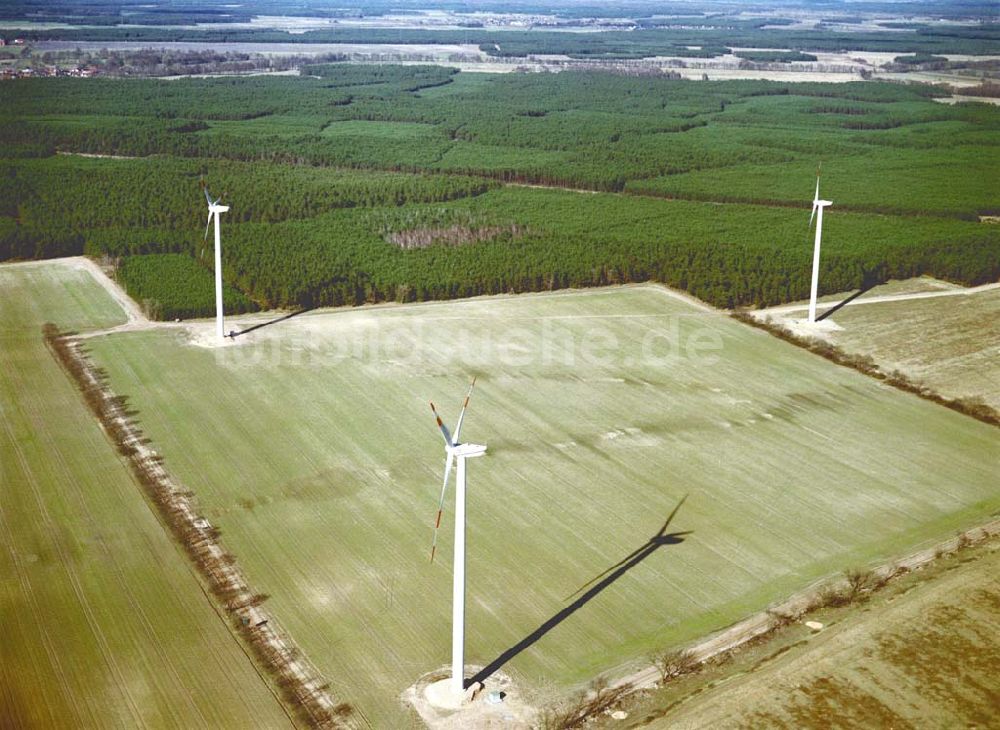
311, 445
104, 623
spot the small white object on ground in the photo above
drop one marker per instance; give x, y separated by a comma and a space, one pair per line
619, 714
814, 625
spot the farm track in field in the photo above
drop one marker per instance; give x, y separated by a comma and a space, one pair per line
943, 342
964, 291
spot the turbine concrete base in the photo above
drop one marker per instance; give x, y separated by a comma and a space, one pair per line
825, 325
437, 704
442, 695
812, 329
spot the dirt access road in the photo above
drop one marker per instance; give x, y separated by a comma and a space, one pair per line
961, 292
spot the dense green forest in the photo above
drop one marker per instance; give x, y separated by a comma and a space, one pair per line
591, 130
173, 285
322, 170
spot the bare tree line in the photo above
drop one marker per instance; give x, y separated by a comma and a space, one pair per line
301, 686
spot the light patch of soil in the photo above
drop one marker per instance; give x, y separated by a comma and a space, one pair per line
954, 78
959, 99
793, 76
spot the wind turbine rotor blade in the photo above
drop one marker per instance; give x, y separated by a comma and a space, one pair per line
444, 429
208, 224
461, 416
449, 460
815, 199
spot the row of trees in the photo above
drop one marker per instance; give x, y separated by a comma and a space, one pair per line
537, 240
302, 688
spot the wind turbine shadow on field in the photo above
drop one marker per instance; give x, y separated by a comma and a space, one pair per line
844, 303
586, 592
282, 318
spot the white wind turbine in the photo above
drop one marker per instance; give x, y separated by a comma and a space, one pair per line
817, 212
214, 209
456, 451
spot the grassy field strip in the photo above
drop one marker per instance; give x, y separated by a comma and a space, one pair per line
104, 623
315, 452
50, 524
31, 600
277, 655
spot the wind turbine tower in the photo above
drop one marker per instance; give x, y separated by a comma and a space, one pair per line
817, 212
214, 209
456, 451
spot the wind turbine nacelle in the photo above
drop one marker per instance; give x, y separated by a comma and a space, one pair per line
468, 451
218, 209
